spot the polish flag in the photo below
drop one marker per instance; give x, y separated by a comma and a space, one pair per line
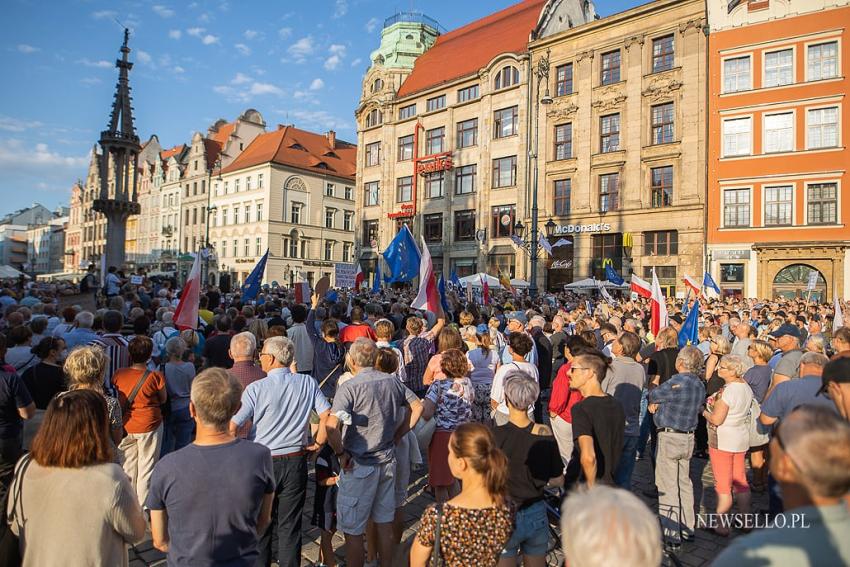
658, 307
485, 290
358, 278
692, 284
428, 297
302, 292
641, 287
186, 314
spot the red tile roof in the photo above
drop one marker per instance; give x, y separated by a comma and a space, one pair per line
300, 149
464, 51
165, 154
224, 133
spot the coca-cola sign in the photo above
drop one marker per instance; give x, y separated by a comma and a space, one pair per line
561, 265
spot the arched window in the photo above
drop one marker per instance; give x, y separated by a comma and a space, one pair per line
506, 77
377, 85
374, 118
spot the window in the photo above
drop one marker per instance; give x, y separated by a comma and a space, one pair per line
370, 232
235, 215
258, 246
247, 247
235, 248
346, 251
505, 122
435, 103
329, 218
662, 53
217, 193
779, 132
661, 183
223, 248
374, 118
737, 137
822, 128
370, 193
293, 248
203, 186
779, 68
609, 133
329, 250
609, 192
777, 205
506, 77
259, 212
226, 187
259, 181
329, 190
377, 85
224, 217
564, 79
349, 193
607, 246
563, 188
247, 213
664, 273
373, 154
504, 172
295, 213
248, 183
433, 227
467, 133
564, 141
465, 179
823, 61
736, 74
610, 68
195, 186
822, 203
435, 184
187, 189
236, 185
732, 273
464, 225
347, 218
186, 218
662, 123
661, 243
468, 93
408, 111
194, 216
405, 148
503, 219
434, 139
404, 189
736, 207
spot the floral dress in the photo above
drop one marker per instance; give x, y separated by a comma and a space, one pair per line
468, 536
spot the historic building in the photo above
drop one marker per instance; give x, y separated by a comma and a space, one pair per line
443, 135
778, 156
622, 144
46, 246
289, 191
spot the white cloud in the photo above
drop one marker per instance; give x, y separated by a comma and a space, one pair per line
13, 153
89, 81
196, 32
337, 52
11, 124
144, 58
175, 34
103, 14
301, 48
251, 34
265, 88
163, 11
240, 79
24, 48
337, 49
100, 64
320, 119
284, 33
340, 8
209, 39
179, 70
242, 48
317, 85
243, 88
356, 62
371, 25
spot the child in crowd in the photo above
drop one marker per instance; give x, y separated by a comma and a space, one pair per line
324, 506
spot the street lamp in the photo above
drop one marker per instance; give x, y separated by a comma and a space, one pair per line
210, 209
541, 72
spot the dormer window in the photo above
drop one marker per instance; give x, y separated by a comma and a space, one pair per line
506, 77
377, 85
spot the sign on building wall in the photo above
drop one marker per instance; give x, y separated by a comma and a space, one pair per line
344, 275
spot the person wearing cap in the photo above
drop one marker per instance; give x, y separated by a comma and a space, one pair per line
781, 400
836, 384
516, 324
787, 338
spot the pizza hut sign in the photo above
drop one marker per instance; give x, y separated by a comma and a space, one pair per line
439, 163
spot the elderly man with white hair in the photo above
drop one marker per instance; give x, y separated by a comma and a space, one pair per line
161, 336
242, 349
279, 407
82, 333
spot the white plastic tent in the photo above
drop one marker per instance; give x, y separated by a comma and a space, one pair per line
475, 279
8, 272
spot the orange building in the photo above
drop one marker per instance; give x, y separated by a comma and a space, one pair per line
778, 156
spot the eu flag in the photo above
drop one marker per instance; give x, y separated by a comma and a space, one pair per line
455, 281
376, 285
689, 335
402, 257
441, 288
708, 281
612, 276
252, 283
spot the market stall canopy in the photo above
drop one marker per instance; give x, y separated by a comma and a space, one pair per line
61, 276
516, 282
8, 272
475, 280
591, 283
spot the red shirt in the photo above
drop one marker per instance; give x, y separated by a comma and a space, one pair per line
355, 331
563, 398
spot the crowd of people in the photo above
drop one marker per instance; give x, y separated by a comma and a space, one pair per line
117, 426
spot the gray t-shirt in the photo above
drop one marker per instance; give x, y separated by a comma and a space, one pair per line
789, 364
625, 381
787, 396
375, 401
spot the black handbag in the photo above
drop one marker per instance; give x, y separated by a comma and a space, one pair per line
10, 545
436, 553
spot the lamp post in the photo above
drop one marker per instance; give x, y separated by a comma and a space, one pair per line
542, 74
531, 246
210, 209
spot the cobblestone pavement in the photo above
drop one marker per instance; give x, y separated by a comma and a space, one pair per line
697, 554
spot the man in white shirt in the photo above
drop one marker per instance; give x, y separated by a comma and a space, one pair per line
301, 339
112, 282
519, 345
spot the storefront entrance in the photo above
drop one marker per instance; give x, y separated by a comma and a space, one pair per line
793, 283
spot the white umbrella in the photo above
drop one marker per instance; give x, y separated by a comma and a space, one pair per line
516, 282
475, 280
586, 283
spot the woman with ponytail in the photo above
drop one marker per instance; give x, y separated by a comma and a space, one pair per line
474, 525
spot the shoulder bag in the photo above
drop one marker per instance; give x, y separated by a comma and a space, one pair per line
436, 553
125, 408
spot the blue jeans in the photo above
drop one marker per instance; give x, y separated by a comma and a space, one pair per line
179, 427
626, 466
530, 535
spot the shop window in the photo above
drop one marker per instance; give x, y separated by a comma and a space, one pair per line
465, 266
607, 246
503, 218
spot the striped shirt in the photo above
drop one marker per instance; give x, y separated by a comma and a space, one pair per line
116, 349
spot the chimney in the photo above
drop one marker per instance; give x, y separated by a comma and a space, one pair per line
331, 139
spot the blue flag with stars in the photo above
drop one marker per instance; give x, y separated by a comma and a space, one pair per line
441, 289
612, 276
455, 281
689, 335
251, 287
708, 281
376, 285
402, 257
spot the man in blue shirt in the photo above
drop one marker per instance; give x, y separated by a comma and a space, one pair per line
279, 407
82, 333
676, 404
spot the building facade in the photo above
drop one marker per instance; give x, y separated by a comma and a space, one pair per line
778, 151
622, 145
292, 192
46, 246
443, 136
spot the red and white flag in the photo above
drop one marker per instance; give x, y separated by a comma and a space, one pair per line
359, 277
641, 287
485, 290
186, 314
692, 284
302, 292
658, 307
428, 297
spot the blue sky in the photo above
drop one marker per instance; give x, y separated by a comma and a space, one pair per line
295, 61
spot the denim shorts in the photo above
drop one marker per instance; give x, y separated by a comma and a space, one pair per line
530, 535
